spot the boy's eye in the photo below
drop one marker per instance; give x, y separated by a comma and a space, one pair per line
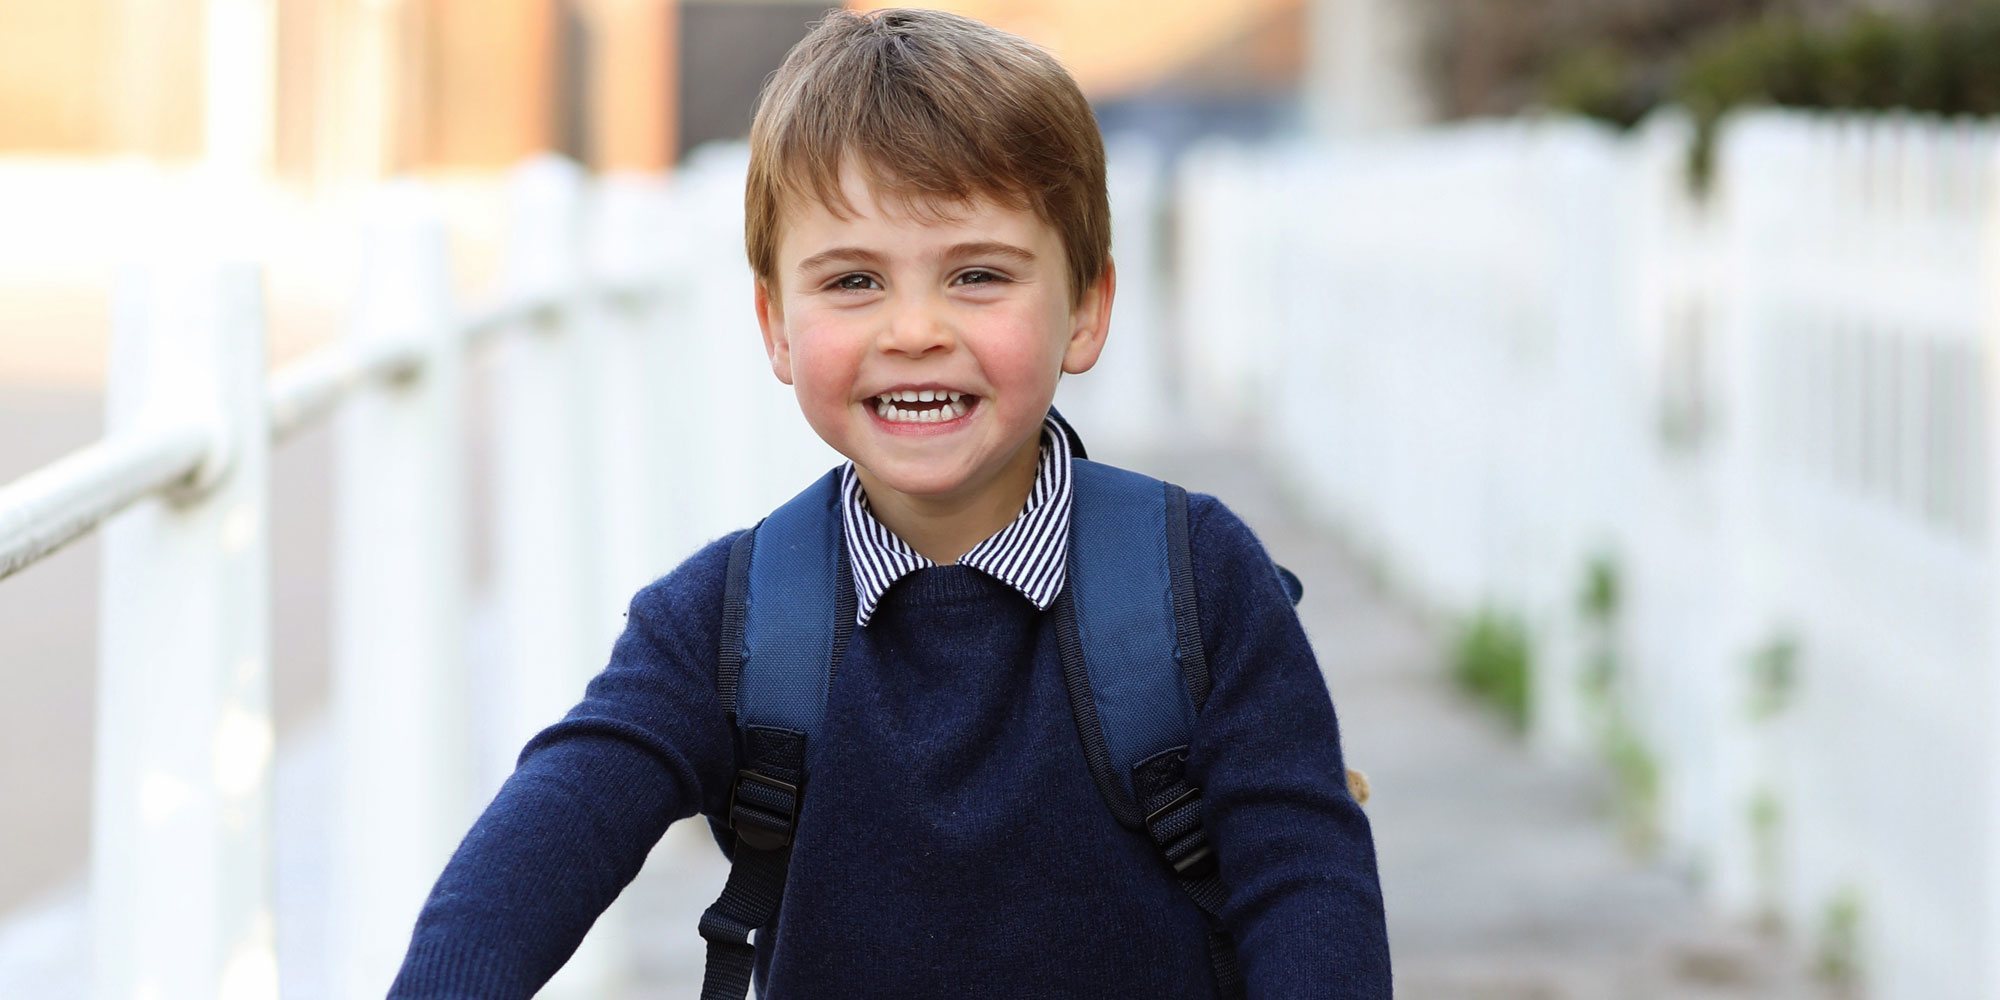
980, 277
852, 282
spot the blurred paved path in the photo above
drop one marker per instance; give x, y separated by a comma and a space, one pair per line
1503, 878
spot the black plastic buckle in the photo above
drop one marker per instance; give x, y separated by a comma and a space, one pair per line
1201, 852
763, 832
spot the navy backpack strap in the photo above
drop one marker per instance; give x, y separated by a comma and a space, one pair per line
788, 609
1130, 638
1117, 621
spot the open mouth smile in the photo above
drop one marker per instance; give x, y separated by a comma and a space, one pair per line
922, 410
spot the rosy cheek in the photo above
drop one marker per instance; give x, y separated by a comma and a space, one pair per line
821, 366
1024, 344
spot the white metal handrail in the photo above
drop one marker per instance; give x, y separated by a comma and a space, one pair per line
47, 509
50, 507
313, 386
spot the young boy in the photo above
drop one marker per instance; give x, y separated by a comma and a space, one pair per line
928, 225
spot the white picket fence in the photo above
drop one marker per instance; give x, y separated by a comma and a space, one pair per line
1493, 352
633, 417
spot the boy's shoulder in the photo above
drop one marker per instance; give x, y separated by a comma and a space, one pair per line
706, 564
1228, 558
1236, 577
1220, 540
690, 595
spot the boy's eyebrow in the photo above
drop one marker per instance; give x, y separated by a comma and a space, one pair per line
991, 248
981, 248
824, 257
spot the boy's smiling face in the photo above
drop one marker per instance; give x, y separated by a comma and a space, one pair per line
971, 300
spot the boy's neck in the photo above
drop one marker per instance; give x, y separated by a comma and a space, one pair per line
943, 528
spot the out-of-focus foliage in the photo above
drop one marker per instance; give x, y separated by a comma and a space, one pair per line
1773, 676
1614, 57
1945, 62
1838, 955
1616, 60
1491, 660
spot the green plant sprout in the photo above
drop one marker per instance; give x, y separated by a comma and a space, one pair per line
1766, 815
1773, 676
1491, 659
1838, 961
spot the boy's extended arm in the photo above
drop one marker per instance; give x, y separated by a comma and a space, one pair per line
1293, 847
589, 798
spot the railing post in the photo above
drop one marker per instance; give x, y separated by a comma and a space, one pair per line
1665, 612
1987, 531
1747, 161
1219, 204
631, 437
1121, 403
180, 840
547, 570
399, 680
677, 397
1583, 200
736, 401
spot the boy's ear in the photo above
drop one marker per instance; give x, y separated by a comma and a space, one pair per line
1090, 322
771, 319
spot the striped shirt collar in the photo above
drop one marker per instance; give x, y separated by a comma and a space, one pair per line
1030, 554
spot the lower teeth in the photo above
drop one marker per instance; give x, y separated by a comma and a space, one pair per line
936, 415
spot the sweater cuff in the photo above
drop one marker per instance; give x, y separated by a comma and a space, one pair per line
455, 970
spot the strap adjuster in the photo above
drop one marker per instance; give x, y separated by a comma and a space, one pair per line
1191, 793
763, 810
1189, 849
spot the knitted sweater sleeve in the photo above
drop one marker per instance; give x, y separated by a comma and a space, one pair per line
589, 797
1292, 845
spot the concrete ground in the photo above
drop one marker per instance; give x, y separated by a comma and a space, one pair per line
1504, 878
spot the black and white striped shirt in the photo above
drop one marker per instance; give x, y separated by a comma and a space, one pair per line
1031, 554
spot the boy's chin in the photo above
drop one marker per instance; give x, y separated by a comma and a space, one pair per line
917, 482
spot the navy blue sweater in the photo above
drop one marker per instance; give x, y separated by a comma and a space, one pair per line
952, 843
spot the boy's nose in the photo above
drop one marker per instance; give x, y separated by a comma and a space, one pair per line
916, 328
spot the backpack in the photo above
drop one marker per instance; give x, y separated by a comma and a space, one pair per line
1135, 670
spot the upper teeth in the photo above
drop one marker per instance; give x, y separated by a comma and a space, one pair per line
954, 406
920, 395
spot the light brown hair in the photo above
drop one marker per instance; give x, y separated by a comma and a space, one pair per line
936, 109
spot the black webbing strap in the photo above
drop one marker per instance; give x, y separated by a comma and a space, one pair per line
764, 812
729, 663
1173, 820
758, 811
1180, 584
735, 606
1076, 679
757, 828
